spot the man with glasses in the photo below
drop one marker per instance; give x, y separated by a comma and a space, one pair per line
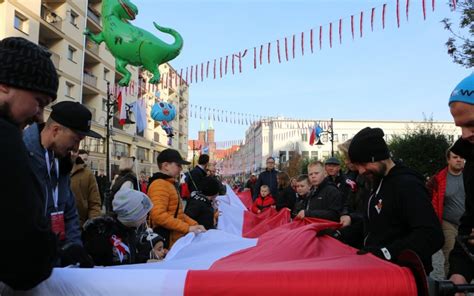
28, 82
269, 178
50, 146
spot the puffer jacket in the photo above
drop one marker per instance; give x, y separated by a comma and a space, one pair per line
85, 189
165, 198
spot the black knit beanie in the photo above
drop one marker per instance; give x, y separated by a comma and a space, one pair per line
26, 65
368, 145
210, 186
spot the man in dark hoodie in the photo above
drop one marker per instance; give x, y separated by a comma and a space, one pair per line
269, 178
28, 82
399, 214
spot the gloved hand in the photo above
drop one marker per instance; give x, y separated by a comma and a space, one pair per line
331, 232
71, 254
374, 251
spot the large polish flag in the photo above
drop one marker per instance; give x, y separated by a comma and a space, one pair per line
287, 259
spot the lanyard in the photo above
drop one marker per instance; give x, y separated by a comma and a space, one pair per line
55, 189
373, 195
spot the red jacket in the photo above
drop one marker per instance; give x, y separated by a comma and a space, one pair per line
262, 204
437, 188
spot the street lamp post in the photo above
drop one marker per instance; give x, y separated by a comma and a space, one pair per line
330, 132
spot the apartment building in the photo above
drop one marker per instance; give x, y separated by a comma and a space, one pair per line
284, 138
86, 69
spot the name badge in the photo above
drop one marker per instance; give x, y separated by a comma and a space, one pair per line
57, 224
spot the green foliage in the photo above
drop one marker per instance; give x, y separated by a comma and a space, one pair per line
422, 149
460, 45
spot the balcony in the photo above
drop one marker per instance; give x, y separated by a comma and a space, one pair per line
93, 15
55, 58
92, 46
51, 17
90, 79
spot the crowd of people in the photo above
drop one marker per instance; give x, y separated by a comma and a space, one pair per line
52, 198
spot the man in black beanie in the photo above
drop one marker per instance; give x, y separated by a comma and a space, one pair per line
399, 214
28, 82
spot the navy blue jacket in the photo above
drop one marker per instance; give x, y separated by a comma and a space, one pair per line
268, 178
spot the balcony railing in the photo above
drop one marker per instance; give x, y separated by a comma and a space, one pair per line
92, 46
93, 15
55, 58
90, 79
51, 17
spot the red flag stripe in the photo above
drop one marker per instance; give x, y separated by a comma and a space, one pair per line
340, 31
278, 51
352, 26
384, 7
330, 35
372, 15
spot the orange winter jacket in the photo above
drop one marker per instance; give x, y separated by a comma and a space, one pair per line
164, 196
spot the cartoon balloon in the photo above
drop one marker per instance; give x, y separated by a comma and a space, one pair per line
164, 113
131, 45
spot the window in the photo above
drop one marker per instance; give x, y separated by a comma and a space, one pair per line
324, 138
344, 137
104, 104
73, 18
142, 153
121, 149
93, 145
314, 154
336, 138
70, 53
450, 138
69, 89
304, 137
21, 22
305, 154
325, 154
282, 156
106, 74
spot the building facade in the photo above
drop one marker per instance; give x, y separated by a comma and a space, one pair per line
86, 69
283, 139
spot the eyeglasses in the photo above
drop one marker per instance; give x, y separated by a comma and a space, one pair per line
270, 162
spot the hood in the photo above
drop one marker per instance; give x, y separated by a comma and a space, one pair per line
160, 175
77, 167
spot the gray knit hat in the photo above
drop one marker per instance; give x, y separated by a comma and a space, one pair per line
27, 66
131, 205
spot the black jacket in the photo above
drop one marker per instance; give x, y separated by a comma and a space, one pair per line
286, 198
22, 223
324, 202
195, 177
200, 209
268, 178
400, 216
459, 262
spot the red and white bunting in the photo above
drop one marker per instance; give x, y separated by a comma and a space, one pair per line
293, 47
311, 40
384, 8
423, 5
352, 26
361, 23
286, 49
278, 51
320, 37
268, 51
372, 15
330, 35
340, 31
302, 43
398, 13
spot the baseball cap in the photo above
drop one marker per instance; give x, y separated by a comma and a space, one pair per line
332, 160
74, 116
171, 155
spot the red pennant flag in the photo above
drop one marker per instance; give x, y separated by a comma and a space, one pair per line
302, 43
433, 5
286, 49
233, 56
320, 37
202, 71
255, 58
423, 6
240, 60
398, 13
186, 75
191, 76
454, 4
340, 31
330, 35
176, 79
278, 51
268, 51
384, 7
261, 53
407, 8
196, 75
181, 76
372, 15
207, 69
352, 26
220, 67
311, 40
293, 47
226, 60
215, 62
361, 22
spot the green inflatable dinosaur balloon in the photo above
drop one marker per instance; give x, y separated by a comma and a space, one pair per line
131, 45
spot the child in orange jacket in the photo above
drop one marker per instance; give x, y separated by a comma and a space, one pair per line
264, 201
